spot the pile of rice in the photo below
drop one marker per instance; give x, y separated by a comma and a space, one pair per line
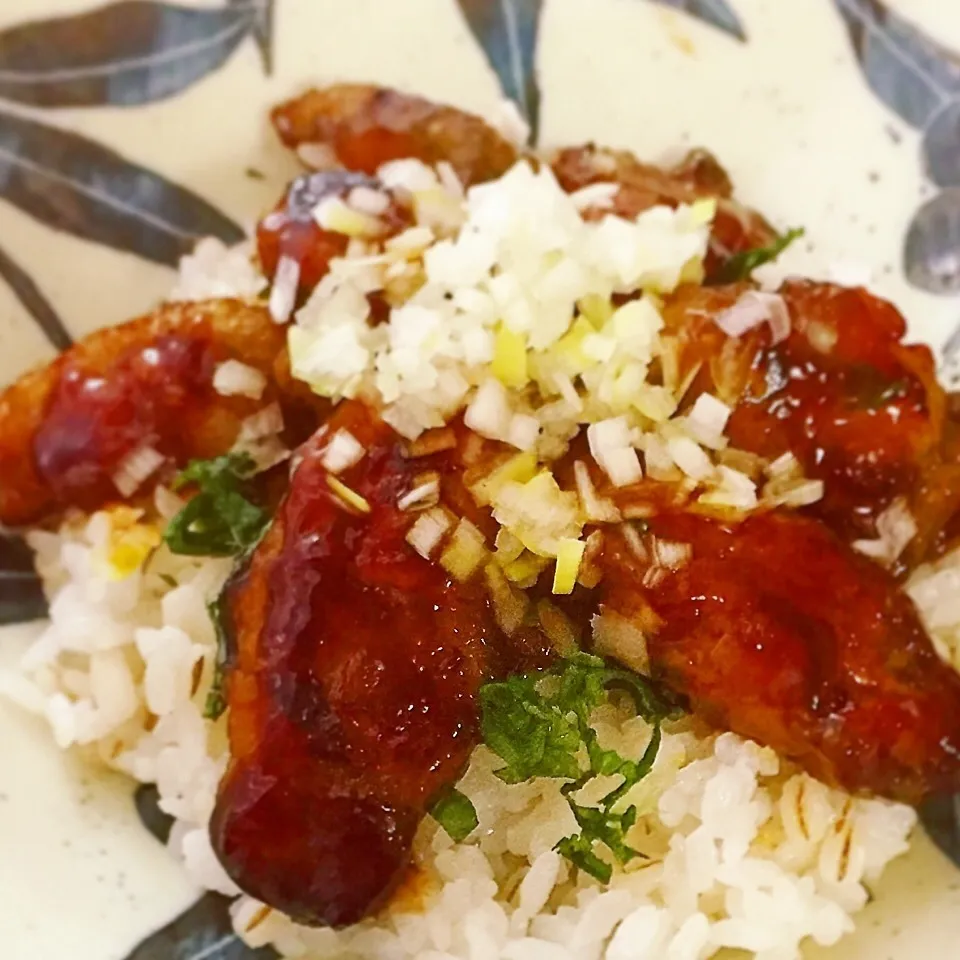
742, 850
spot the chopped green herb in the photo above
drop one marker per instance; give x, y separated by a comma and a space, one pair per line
456, 814
741, 265
219, 520
216, 702
168, 580
539, 724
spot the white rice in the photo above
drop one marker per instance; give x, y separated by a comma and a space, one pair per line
742, 850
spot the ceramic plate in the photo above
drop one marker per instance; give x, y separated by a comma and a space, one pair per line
130, 129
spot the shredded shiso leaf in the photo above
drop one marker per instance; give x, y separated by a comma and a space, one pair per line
539, 724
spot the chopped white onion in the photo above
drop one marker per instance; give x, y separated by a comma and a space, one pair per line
424, 494
753, 309
599, 196
489, 412
708, 419
167, 503
135, 468
428, 530
332, 214
669, 554
235, 379
465, 552
801, 494
620, 639
611, 446
509, 603
283, 294
368, 200
264, 423
342, 452
449, 179
594, 506
690, 458
523, 431
786, 465
896, 528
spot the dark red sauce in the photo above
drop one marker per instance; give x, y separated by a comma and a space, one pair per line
779, 631
353, 692
151, 397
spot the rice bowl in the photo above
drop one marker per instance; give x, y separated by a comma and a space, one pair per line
740, 848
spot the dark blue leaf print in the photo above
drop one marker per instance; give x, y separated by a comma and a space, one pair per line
507, 31
912, 74
941, 145
147, 801
940, 816
125, 54
204, 932
21, 597
262, 30
932, 248
718, 13
35, 303
78, 186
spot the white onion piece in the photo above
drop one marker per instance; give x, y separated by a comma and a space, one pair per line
135, 468
611, 446
753, 309
264, 423
283, 295
235, 379
598, 196
343, 452
423, 495
708, 419
489, 412
428, 530
617, 637
896, 528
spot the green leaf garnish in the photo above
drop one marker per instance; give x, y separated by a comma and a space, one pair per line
539, 725
456, 814
219, 521
741, 265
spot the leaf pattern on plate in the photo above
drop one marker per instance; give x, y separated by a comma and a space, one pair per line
204, 932
35, 303
507, 31
911, 73
21, 596
78, 186
941, 145
126, 53
718, 13
940, 817
147, 801
931, 258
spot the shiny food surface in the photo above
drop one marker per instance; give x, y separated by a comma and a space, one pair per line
66, 429
353, 690
779, 631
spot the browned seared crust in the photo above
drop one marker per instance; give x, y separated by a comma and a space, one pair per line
367, 126
229, 328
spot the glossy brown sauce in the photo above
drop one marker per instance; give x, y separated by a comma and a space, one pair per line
779, 631
152, 397
353, 695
